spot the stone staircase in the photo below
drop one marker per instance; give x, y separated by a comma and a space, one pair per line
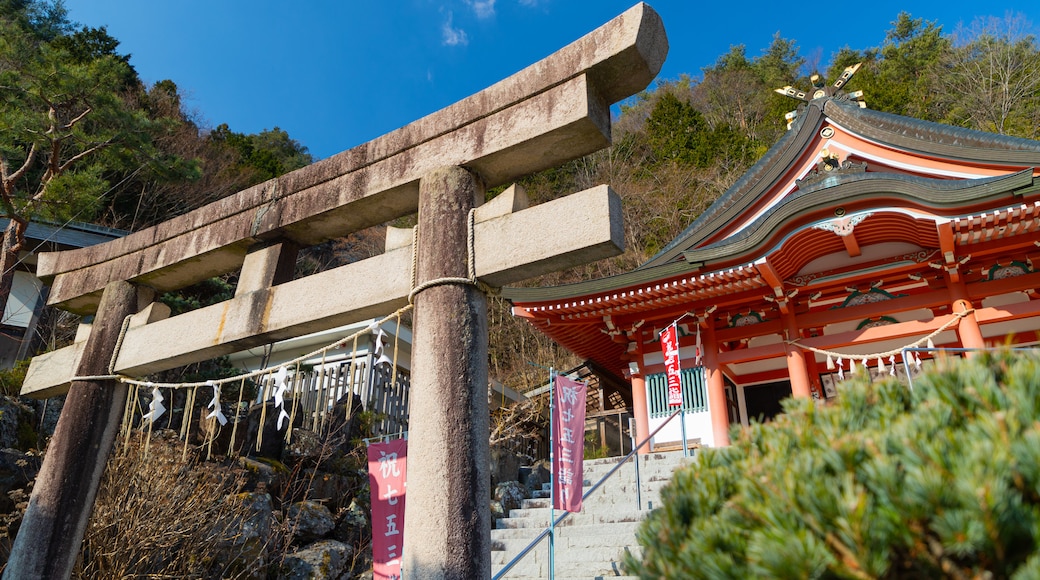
590, 544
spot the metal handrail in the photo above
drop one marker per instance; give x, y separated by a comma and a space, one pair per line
516, 559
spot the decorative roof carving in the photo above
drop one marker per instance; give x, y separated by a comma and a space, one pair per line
843, 226
830, 165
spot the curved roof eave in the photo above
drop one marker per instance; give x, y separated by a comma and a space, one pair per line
748, 188
861, 187
933, 138
895, 130
851, 188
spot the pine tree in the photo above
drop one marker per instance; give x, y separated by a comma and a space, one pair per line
939, 482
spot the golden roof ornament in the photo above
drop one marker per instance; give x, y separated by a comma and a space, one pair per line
820, 91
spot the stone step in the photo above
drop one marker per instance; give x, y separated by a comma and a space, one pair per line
605, 564
592, 538
592, 543
524, 535
587, 555
628, 498
576, 519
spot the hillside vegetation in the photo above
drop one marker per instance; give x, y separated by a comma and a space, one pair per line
936, 482
130, 155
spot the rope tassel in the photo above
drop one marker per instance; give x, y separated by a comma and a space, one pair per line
830, 363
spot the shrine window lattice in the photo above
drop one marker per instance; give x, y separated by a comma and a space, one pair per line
694, 392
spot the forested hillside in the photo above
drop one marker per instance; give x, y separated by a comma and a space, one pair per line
83, 138
681, 145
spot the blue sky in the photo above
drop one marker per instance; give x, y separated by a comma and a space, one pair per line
337, 73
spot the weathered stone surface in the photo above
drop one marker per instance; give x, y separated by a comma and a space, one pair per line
63, 495
17, 471
537, 474
309, 520
304, 445
509, 495
17, 424
353, 524
552, 111
47, 413
506, 252
323, 560
265, 477
252, 527
505, 466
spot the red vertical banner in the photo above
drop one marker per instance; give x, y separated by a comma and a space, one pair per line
568, 443
386, 479
670, 350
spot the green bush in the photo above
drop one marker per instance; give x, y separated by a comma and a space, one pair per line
941, 481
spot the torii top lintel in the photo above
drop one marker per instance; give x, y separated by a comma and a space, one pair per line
551, 112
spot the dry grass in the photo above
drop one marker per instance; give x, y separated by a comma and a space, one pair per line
158, 516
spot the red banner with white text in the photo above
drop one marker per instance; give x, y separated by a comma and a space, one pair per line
568, 443
670, 350
386, 478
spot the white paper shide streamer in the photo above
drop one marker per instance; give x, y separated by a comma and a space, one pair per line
380, 349
155, 408
279, 395
214, 404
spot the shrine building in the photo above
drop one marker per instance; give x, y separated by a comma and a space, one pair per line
858, 234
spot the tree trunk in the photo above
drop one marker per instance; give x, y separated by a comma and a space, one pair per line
8, 262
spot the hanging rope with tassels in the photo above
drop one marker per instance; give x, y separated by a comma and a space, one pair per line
879, 357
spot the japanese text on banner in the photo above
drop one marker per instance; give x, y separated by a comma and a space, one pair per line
670, 350
387, 480
568, 443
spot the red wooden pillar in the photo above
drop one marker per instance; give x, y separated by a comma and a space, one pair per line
716, 386
968, 329
640, 409
796, 364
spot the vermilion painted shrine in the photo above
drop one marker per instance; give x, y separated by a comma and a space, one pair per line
858, 233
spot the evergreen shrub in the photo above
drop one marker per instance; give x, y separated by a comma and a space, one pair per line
939, 482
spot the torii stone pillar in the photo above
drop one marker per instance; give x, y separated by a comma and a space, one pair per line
447, 522
64, 492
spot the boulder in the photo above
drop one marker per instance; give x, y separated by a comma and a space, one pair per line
353, 526
17, 424
332, 489
508, 495
272, 441
537, 474
309, 520
249, 531
17, 471
505, 466
304, 446
264, 475
325, 559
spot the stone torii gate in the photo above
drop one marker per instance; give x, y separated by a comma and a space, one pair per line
551, 112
